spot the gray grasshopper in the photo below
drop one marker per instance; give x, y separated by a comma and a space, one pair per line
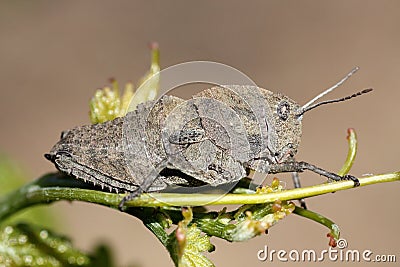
211, 139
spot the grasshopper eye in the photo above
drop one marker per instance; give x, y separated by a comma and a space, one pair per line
63, 153
283, 110
64, 134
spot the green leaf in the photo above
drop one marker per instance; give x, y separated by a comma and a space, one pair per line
25, 245
196, 244
187, 244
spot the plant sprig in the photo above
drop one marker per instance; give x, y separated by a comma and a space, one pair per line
258, 212
190, 239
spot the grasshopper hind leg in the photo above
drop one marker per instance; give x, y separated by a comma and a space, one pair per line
145, 185
129, 197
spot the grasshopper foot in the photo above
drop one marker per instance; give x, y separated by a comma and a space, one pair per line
129, 197
352, 178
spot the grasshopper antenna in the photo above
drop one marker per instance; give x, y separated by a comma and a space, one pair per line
302, 111
309, 103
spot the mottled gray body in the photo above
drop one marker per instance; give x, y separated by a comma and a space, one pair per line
211, 138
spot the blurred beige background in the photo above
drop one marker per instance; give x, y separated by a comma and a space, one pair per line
53, 55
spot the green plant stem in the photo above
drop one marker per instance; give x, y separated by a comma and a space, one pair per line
320, 219
54, 187
158, 210
163, 199
351, 154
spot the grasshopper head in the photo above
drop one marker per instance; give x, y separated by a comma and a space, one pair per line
284, 126
62, 152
